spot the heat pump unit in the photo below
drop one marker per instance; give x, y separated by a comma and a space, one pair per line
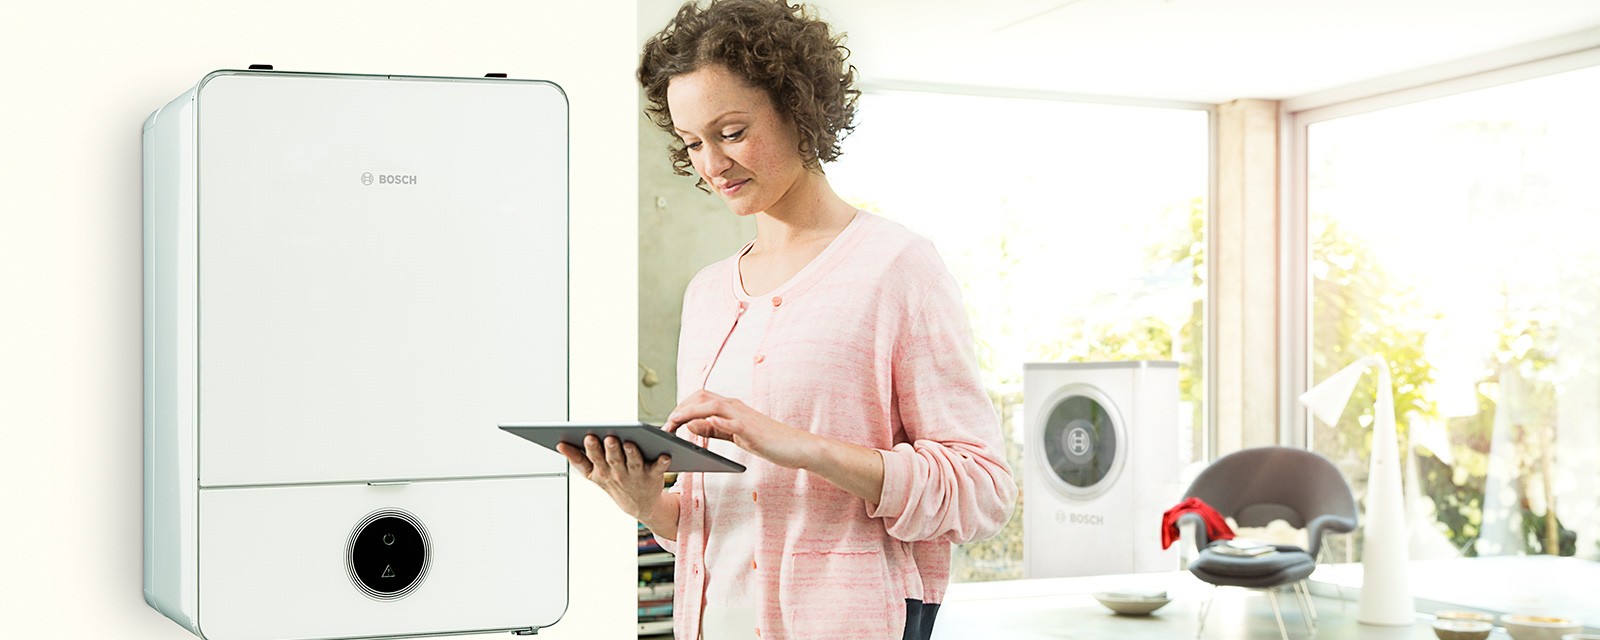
349, 280
1101, 465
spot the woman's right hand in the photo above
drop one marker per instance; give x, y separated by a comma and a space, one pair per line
619, 468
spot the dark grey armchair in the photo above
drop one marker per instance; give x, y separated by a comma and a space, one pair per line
1255, 487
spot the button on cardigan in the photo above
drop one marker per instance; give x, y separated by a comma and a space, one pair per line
869, 345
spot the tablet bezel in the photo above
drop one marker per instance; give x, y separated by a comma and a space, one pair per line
654, 441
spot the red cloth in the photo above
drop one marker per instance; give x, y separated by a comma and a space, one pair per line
1216, 527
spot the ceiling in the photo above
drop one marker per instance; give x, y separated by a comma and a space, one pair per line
1206, 51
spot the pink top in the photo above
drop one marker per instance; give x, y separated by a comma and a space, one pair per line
869, 344
730, 609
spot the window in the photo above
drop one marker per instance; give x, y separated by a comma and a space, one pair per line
1077, 232
1458, 237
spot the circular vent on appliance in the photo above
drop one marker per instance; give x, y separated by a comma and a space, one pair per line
1081, 440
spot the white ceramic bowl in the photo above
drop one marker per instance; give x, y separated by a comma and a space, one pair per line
1131, 605
1460, 629
1528, 627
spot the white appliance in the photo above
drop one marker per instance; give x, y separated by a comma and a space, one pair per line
348, 282
1100, 467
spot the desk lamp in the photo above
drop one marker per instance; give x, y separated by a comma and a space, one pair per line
1385, 584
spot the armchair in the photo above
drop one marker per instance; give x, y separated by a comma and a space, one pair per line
1255, 487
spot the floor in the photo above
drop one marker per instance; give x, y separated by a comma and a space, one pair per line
1065, 608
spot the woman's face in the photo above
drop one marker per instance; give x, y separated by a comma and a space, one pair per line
737, 140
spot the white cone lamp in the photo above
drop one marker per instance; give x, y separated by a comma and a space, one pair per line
1385, 583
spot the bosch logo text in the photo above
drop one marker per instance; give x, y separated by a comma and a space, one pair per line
368, 178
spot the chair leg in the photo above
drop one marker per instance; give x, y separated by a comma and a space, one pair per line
1336, 585
1308, 610
1272, 596
1311, 605
1205, 609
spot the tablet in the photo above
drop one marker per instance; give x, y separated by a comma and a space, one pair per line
651, 440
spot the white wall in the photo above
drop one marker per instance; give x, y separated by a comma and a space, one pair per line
77, 80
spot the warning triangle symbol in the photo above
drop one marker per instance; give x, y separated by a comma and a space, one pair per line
388, 571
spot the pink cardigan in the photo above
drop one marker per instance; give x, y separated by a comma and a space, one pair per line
871, 345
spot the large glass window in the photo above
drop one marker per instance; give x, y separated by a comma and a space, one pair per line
1460, 238
1076, 231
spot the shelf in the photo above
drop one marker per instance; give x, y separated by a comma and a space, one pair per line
656, 591
655, 585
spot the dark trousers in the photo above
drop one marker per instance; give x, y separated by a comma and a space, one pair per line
919, 619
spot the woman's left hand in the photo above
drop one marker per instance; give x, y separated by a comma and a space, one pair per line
707, 414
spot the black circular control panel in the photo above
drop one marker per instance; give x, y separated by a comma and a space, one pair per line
388, 554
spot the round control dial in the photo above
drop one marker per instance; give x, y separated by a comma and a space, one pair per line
387, 555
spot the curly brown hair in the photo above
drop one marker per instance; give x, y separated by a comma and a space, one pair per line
771, 45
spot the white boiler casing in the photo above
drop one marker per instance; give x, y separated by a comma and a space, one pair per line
349, 281
1100, 467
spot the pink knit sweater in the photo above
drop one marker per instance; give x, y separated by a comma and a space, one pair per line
869, 345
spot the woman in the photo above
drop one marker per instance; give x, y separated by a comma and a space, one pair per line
831, 356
